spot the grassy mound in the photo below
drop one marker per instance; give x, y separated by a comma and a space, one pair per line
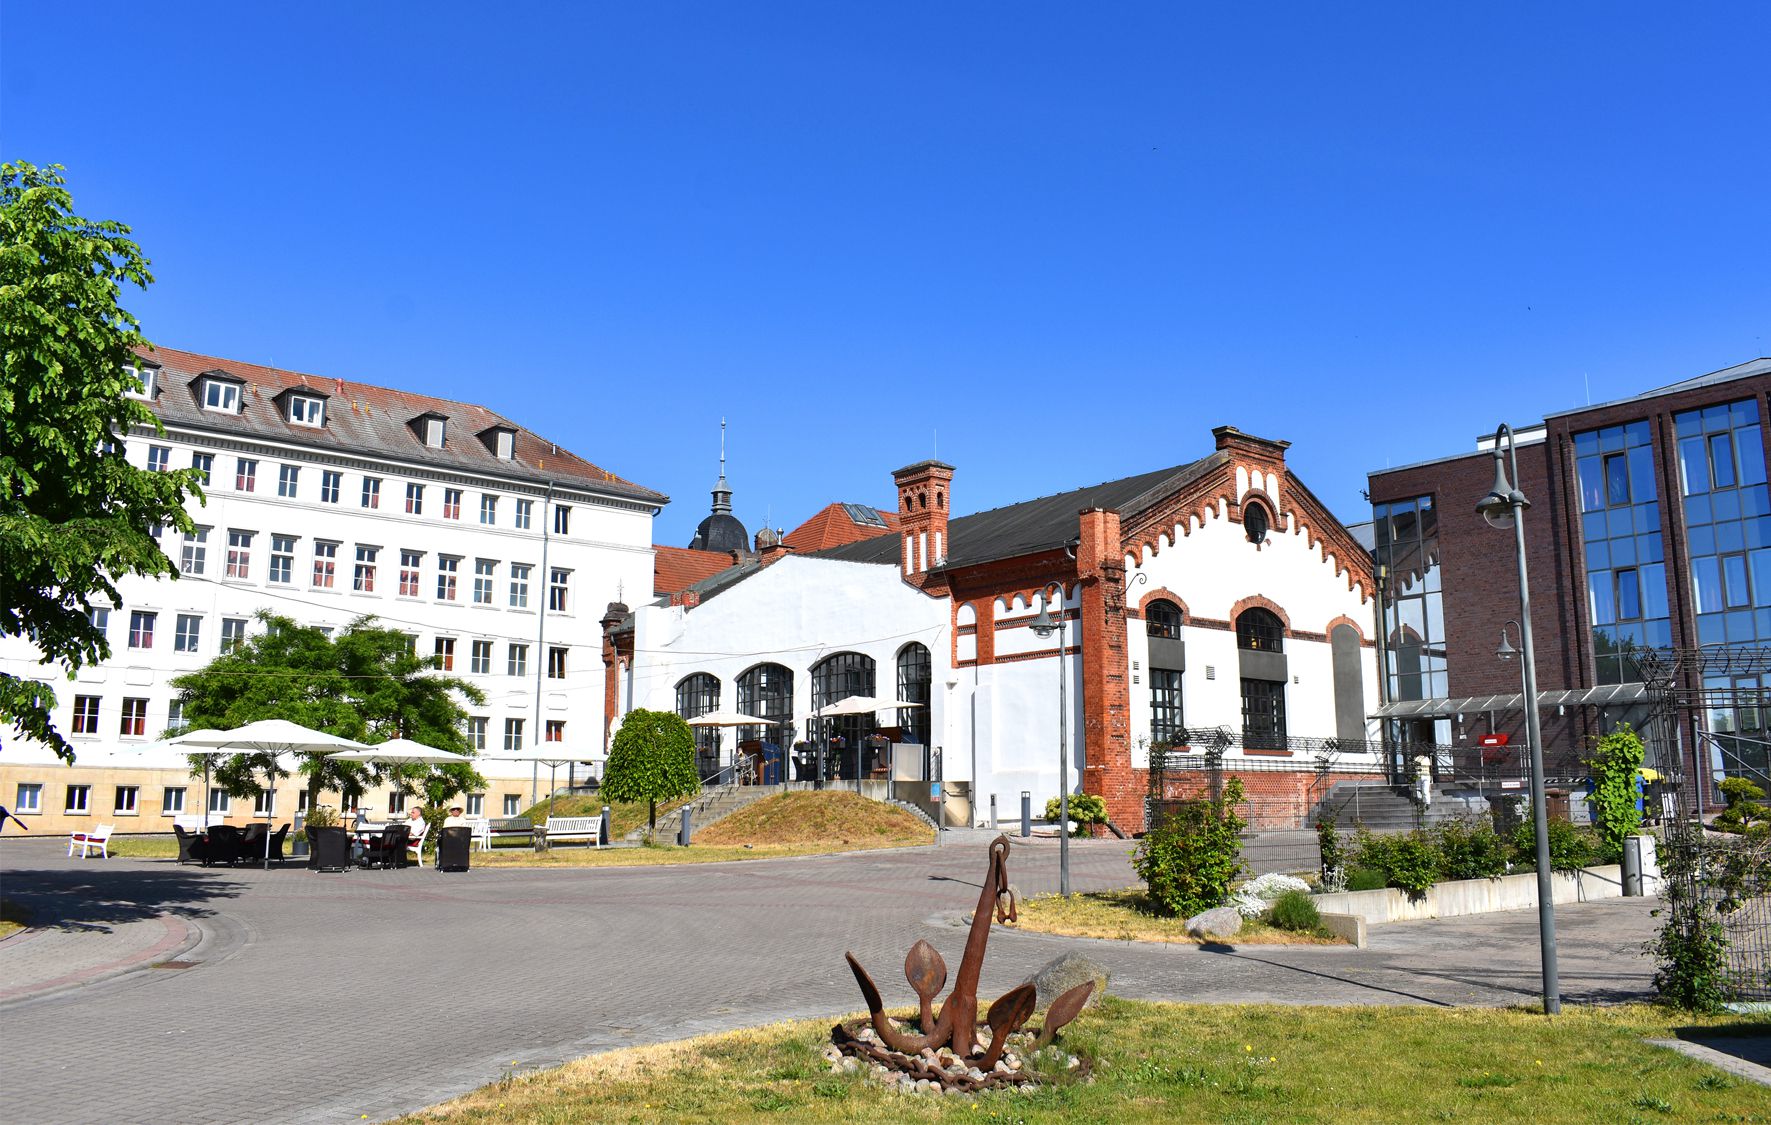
624, 816
826, 817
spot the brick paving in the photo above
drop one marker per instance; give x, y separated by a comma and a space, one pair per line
322, 998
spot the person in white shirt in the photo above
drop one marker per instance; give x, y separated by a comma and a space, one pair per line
455, 819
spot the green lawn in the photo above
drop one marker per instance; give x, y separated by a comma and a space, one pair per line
1184, 1063
1126, 915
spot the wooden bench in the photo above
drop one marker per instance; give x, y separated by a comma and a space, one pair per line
563, 828
99, 836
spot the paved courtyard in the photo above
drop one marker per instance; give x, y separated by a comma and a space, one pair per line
298, 997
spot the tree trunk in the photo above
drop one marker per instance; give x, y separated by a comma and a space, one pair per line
651, 818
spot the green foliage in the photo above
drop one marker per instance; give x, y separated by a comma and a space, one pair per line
1410, 862
652, 759
1085, 809
1294, 911
1616, 765
1471, 850
74, 513
1366, 879
1571, 848
1188, 860
365, 683
1743, 813
318, 816
1328, 842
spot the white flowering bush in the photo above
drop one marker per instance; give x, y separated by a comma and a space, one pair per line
1252, 898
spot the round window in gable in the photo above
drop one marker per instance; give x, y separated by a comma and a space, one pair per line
1254, 523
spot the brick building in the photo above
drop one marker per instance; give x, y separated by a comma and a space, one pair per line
1217, 598
1649, 527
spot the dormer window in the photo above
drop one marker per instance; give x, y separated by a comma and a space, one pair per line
141, 375
307, 410
501, 440
431, 428
221, 396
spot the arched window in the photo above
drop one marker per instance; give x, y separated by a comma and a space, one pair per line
1162, 618
1260, 630
766, 691
1255, 522
695, 696
914, 679
835, 679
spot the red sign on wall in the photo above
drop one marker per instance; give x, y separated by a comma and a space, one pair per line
1493, 740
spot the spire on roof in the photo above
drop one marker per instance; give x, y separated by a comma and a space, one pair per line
722, 492
721, 531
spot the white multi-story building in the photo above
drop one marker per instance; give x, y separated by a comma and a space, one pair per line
326, 501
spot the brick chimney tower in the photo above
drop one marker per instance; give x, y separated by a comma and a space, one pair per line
925, 496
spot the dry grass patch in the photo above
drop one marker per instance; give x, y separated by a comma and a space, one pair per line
13, 918
658, 855
624, 816
1128, 915
1187, 1063
827, 818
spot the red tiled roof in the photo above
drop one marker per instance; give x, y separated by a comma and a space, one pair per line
675, 569
362, 418
832, 526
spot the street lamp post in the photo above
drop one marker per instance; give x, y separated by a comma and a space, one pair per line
1044, 626
1505, 506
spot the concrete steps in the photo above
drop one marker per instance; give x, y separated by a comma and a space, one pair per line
714, 804
1386, 808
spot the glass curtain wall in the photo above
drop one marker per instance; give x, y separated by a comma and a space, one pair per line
1624, 560
1407, 546
914, 678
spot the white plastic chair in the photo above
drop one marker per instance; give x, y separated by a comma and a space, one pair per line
99, 837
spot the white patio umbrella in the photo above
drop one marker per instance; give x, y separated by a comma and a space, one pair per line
542, 756
267, 736
728, 719
862, 705
206, 753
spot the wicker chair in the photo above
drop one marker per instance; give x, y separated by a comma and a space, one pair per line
191, 845
388, 849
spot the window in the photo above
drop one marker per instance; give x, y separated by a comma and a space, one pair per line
306, 410
525, 514
1261, 630
446, 653
301, 800
194, 555
159, 458
262, 804
126, 799
329, 486
476, 732
556, 589
189, 633
175, 720
410, 561
283, 559
239, 554
141, 629
518, 663
30, 798
233, 633
914, 680
371, 492
86, 714
396, 803
1165, 706
696, 695
1162, 619
484, 572
562, 519
363, 579
435, 431
446, 569
100, 616
325, 564
1254, 523
556, 730
513, 804
172, 800
519, 585
157, 530
767, 692
220, 803
1263, 714
204, 463
504, 445
134, 723
245, 474
513, 735
1728, 534
488, 509
451, 503
288, 477
480, 659
221, 396
79, 796
143, 378
415, 499
1623, 555
556, 662
1407, 546
476, 804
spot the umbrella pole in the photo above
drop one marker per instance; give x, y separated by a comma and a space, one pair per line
270, 816
552, 772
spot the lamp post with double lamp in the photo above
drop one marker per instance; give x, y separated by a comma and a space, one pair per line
1043, 626
1504, 506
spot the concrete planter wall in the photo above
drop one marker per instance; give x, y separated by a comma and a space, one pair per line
1475, 896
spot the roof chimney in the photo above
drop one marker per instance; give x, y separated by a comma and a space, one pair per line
925, 497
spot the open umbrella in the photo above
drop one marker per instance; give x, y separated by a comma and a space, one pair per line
266, 736
540, 755
862, 705
206, 753
727, 719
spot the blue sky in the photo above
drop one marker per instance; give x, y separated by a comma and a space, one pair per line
1068, 238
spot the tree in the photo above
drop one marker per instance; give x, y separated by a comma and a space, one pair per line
1617, 771
652, 759
366, 683
75, 515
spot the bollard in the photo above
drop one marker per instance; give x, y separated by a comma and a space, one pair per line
1632, 866
993, 823
603, 829
1026, 814
682, 834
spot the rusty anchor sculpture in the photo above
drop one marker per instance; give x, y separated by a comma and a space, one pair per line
956, 1027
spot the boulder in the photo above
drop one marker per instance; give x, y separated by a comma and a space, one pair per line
1061, 974
1221, 921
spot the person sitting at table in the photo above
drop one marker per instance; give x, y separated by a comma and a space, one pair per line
455, 819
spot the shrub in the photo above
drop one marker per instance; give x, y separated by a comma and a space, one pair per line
1366, 879
1188, 860
1328, 842
1294, 911
1743, 809
1085, 809
1571, 848
1616, 764
1471, 850
1410, 862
